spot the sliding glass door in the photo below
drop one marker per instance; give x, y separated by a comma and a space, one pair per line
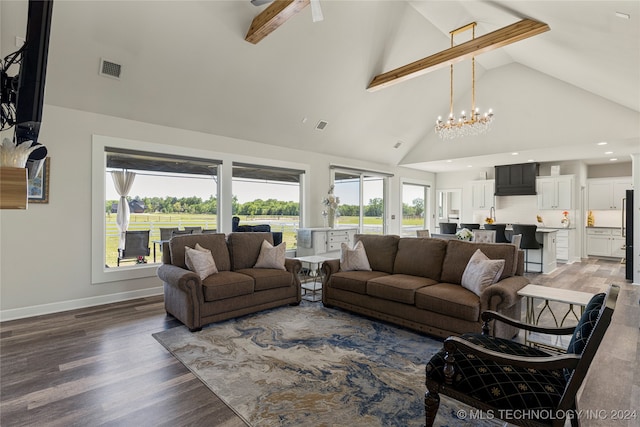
362, 200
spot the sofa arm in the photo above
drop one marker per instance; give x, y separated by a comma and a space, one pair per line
329, 267
293, 266
502, 294
181, 278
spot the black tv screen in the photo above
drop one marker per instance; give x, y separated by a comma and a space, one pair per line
33, 69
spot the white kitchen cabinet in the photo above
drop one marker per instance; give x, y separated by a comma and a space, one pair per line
482, 194
318, 241
607, 242
562, 245
555, 192
607, 193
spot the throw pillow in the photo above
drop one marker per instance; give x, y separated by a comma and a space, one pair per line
200, 261
271, 257
354, 259
481, 272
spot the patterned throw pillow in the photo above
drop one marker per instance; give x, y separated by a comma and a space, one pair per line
584, 328
481, 272
354, 259
200, 261
272, 257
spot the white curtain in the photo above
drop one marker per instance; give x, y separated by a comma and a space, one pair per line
123, 181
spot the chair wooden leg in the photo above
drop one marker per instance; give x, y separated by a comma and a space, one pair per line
431, 405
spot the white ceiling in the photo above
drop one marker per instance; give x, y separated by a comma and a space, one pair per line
187, 65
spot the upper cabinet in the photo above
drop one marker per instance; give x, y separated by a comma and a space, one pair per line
482, 194
555, 192
607, 193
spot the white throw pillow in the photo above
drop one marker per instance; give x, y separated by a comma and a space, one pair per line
200, 261
354, 259
271, 257
481, 272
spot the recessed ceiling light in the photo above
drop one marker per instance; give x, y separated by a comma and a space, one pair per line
613, 160
623, 15
608, 152
514, 154
530, 160
304, 120
469, 166
602, 143
449, 161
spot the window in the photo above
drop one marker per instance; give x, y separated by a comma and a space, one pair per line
414, 208
362, 199
167, 187
268, 195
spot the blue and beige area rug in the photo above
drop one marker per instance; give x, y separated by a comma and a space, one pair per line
313, 366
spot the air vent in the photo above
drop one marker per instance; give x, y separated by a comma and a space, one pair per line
110, 69
321, 125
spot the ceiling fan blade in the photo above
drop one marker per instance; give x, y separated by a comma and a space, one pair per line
316, 11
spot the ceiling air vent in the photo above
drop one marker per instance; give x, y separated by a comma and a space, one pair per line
110, 69
321, 125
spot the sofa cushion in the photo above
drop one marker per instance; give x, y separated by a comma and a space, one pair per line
381, 250
449, 299
459, 253
268, 278
227, 284
354, 281
397, 287
215, 242
353, 259
420, 257
244, 248
481, 272
270, 256
200, 261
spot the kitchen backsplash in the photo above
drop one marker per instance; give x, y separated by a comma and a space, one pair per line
606, 218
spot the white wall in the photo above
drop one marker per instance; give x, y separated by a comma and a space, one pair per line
45, 251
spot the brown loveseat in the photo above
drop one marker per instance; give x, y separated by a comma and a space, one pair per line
416, 283
237, 289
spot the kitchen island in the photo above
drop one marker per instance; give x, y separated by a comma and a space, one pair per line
547, 237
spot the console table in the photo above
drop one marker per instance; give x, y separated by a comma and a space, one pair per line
317, 241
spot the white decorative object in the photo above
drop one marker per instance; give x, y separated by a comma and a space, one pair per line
331, 202
15, 156
555, 170
464, 234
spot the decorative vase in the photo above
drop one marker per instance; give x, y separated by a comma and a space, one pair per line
331, 218
565, 222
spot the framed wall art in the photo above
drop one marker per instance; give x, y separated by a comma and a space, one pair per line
38, 187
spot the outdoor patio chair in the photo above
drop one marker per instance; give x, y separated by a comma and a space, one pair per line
422, 233
136, 244
512, 381
165, 233
194, 230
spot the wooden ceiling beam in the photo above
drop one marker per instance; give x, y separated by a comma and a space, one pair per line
276, 14
504, 36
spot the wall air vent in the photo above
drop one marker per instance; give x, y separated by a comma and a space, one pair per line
321, 125
110, 69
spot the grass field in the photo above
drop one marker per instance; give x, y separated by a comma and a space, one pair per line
153, 222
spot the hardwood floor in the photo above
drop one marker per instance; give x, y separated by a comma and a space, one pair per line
101, 366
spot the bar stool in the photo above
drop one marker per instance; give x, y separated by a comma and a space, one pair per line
500, 236
470, 226
528, 241
448, 227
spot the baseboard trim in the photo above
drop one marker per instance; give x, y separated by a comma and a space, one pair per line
57, 307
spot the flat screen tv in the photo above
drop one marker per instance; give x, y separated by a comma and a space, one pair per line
32, 74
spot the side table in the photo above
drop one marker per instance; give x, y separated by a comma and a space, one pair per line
311, 277
548, 294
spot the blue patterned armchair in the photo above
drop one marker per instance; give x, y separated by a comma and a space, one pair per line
512, 381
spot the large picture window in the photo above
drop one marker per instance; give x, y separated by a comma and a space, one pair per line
362, 199
267, 195
415, 208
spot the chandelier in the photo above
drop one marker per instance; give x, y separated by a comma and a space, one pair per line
474, 123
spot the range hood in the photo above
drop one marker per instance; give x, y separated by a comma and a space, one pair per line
516, 180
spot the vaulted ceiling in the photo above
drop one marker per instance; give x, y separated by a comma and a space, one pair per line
187, 65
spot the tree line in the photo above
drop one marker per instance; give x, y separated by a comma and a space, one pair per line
269, 207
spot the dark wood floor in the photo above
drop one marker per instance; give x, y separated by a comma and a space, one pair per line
101, 366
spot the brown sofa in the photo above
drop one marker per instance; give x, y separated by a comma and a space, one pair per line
237, 289
415, 282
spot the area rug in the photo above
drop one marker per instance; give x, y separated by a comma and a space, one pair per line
313, 366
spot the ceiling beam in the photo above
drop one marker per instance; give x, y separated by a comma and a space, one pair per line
486, 43
276, 14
